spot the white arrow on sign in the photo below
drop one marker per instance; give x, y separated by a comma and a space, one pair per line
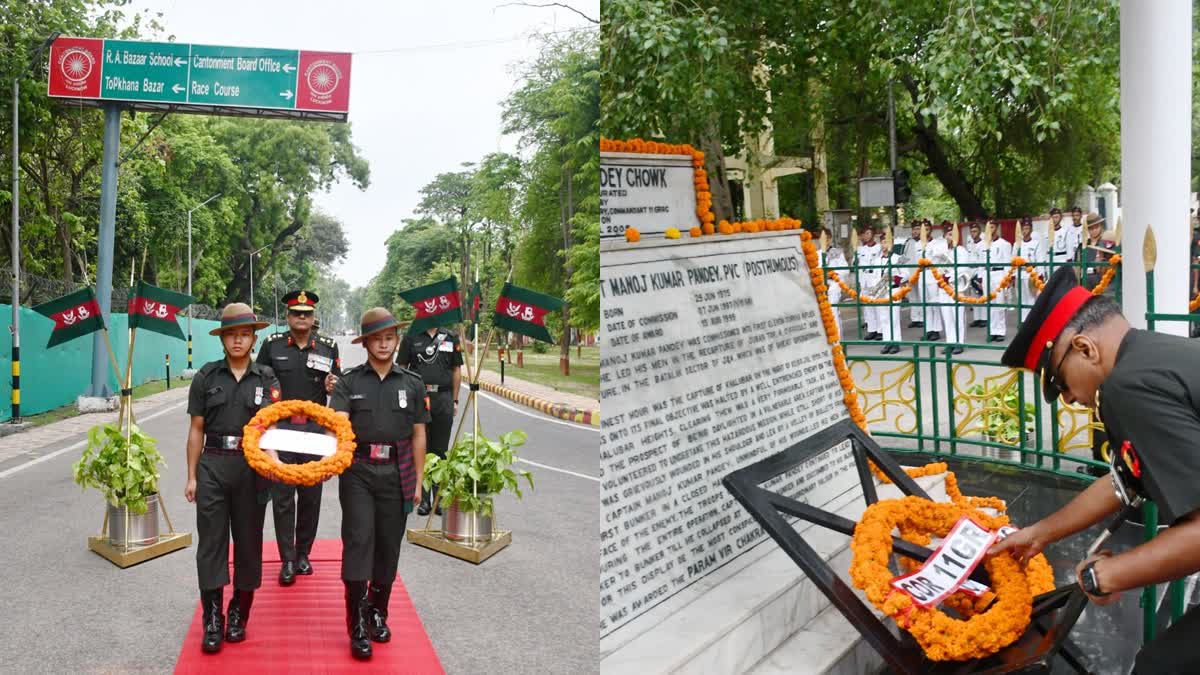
287, 67
286, 94
178, 88
180, 62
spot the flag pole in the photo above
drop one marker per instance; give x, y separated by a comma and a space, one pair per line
473, 377
126, 392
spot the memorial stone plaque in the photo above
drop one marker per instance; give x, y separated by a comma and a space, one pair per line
649, 192
714, 356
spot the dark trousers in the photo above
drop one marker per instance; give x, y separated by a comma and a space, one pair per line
1174, 652
297, 510
373, 520
437, 432
227, 503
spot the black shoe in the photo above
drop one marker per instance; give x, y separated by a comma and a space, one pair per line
287, 573
980, 323
995, 338
377, 619
239, 614
875, 336
952, 350
214, 620
303, 566
356, 619
935, 336
423, 508
916, 324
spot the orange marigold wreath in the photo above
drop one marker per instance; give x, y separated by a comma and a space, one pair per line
987, 629
309, 473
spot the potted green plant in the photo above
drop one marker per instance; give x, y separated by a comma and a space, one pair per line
1001, 419
126, 473
474, 471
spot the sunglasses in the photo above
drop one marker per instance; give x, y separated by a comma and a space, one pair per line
1054, 378
292, 312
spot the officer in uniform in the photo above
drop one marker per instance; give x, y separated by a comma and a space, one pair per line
1145, 387
307, 365
223, 397
436, 354
388, 409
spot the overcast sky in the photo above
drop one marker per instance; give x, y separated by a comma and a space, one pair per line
426, 86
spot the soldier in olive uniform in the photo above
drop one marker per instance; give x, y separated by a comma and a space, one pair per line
224, 396
436, 354
307, 365
388, 409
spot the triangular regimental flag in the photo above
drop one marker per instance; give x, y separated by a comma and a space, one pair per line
75, 314
524, 311
436, 304
473, 302
154, 309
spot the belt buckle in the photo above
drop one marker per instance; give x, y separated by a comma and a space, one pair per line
230, 442
380, 451
431, 387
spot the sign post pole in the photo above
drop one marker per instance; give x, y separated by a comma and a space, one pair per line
104, 262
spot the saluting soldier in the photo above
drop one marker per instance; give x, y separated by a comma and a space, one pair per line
388, 409
1145, 387
223, 397
307, 365
436, 355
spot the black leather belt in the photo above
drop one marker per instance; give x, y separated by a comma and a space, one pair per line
222, 445
438, 387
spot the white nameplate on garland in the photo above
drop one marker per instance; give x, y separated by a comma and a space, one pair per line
950, 565
289, 440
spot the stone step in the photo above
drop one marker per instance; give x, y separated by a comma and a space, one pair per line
745, 612
828, 645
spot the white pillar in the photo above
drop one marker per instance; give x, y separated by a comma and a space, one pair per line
1156, 141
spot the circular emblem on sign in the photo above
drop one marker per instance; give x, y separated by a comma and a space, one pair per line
323, 78
76, 65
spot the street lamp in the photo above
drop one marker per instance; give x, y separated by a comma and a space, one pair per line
15, 329
252, 254
190, 310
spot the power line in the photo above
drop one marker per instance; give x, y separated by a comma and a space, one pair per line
468, 44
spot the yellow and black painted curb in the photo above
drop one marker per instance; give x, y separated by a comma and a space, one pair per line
564, 412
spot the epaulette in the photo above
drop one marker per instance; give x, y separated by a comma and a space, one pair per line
275, 336
410, 372
328, 342
208, 368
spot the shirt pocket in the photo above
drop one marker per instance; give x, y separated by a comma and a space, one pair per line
360, 405
215, 398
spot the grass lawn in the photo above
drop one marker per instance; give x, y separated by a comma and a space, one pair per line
68, 411
543, 369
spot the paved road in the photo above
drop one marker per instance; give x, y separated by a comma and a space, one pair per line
529, 609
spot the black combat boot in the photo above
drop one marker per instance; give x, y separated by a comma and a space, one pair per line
357, 604
214, 620
239, 614
377, 619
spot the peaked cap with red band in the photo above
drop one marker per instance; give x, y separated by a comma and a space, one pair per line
1058, 303
301, 301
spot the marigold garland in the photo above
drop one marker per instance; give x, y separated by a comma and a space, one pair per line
632, 235
309, 473
695, 231
672, 233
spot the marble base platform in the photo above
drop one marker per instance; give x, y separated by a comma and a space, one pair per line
757, 614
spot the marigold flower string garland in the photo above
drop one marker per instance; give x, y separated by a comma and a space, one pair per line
309, 473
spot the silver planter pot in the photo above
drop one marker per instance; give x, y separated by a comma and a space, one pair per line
143, 528
469, 528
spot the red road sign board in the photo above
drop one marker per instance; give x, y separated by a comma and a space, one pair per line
200, 78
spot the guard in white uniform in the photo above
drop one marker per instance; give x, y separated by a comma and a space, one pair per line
997, 263
1063, 246
929, 288
912, 247
832, 258
1033, 249
873, 281
976, 252
944, 254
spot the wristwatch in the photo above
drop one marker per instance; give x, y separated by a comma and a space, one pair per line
1087, 579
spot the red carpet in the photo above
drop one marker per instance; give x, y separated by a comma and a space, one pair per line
302, 628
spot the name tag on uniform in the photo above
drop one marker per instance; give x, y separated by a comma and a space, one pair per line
258, 395
280, 358
357, 397
321, 363
446, 346
402, 398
